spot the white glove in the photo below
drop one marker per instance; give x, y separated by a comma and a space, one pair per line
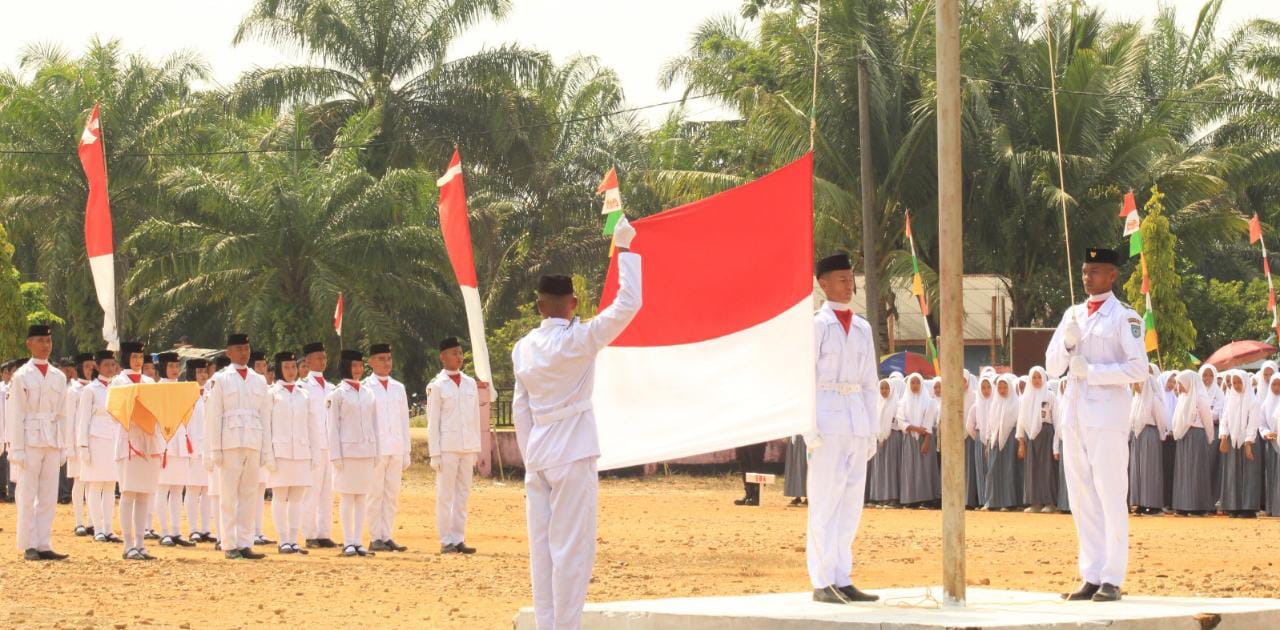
1079, 368
435, 464
1071, 333
16, 458
337, 465
812, 442
271, 465
214, 460
85, 457
623, 233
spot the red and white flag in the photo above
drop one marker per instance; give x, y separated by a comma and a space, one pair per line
1129, 211
337, 316
722, 352
97, 226
457, 242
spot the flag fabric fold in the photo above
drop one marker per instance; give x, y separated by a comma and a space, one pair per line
456, 229
97, 225
721, 354
337, 315
1255, 236
917, 289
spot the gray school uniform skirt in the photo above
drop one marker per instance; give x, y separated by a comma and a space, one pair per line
1004, 476
1040, 483
795, 469
1194, 470
1146, 469
920, 481
887, 469
1241, 487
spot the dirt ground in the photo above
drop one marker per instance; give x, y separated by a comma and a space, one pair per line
658, 537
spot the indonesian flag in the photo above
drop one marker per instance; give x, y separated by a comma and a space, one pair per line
1255, 229
1132, 221
97, 226
722, 352
457, 242
612, 208
337, 316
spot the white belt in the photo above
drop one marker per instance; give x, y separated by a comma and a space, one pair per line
556, 415
843, 389
239, 413
43, 415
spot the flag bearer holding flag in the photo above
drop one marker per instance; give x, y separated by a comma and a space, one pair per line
35, 408
554, 367
1100, 346
844, 437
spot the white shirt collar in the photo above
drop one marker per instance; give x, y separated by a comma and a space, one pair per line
39, 361
453, 372
554, 321
837, 306
314, 374
1101, 297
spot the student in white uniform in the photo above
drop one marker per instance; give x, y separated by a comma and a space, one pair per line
237, 429
454, 415
554, 369
96, 446
353, 449
1148, 422
1242, 468
138, 457
1099, 344
296, 445
258, 363
845, 437
35, 409
975, 425
84, 367
1035, 443
391, 421
173, 465
196, 499
213, 497
317, 510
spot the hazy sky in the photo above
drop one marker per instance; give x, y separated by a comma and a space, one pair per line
633, 38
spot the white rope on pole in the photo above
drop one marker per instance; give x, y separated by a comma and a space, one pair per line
1057, 135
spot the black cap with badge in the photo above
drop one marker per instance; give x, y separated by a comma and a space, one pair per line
1102, 256
38, 330
449, 342
837, 262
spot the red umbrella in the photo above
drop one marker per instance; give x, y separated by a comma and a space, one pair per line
1240, 353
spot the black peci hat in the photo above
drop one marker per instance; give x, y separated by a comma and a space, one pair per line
449, 342
237, 339
131, 347
83, 357
314, 346
104, 355
836, 262
555, 285
222, 361
38, 330
148, 359
379, 348
257, 355
1102, 255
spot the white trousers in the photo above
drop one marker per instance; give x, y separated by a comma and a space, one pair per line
351, 509
199, 509
169, 498
286, 511
102, 506
237, 483
1097, 468
318, 504
37, 496
79, 488
384, 496
135, 515
836, 486
260, 509
453, 488
561, 504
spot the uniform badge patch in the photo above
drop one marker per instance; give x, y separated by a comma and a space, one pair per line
1135, 327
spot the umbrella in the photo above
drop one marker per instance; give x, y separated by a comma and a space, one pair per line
1239, 353
906, 363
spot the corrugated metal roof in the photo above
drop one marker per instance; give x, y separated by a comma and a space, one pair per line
979, 289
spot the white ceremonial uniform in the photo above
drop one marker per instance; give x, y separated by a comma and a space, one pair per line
1095, 430
391, 424
317, 510
69, 432
453, 436
554, 367
296, 446
353, 449
844, 441
238, 430
35, 409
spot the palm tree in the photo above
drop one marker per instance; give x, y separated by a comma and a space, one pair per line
146, 107
388, 55
271, 238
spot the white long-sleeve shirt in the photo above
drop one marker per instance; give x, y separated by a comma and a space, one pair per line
237, 412
454, 411
1112, 342
293, 435
35, 408
318, 390
390, 415
352, 433
555, 366
846, 376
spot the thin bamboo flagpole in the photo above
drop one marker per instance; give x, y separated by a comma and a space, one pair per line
1057, 135
813, 103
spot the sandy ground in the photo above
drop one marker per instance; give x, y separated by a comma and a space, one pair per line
659, 537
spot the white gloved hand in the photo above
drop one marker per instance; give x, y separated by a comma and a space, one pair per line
812, 442
1079, 368
435, 464
16, 458
1071, 333
623, 233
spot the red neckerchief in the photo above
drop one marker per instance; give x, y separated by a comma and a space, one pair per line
457, 378
243, 372
44, 369
845, 318
137, 378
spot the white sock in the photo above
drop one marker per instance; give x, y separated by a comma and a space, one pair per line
128, 503
77, 501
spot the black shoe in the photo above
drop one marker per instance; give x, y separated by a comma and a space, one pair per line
249, 554
852, 594
1083, 594
350, 551
299, 551
829, 595
378, 545
748, 501
464, 549
112, 538
364, 552
31, 554
151, 535
795, 502
326, 543
196, 537
1107, 593
285, 549
312, 543
448, 549
177, 540
89, 531
233, 554
263, 540
397, 547
133, 554
81, 531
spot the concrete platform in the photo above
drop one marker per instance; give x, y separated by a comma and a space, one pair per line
916, 609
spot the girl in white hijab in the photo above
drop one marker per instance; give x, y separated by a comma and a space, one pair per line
1059, 388
1148, 422
1035, 433
918, 415
1004, 475
1270, 446
886, 466
975, 423
1193, 488
1242, 468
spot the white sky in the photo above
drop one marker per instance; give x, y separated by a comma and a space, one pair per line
633, 38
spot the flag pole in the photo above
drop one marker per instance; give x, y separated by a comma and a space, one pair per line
813, 102
1057, 135
106, 182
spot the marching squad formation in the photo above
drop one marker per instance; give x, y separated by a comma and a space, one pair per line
1097, 432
